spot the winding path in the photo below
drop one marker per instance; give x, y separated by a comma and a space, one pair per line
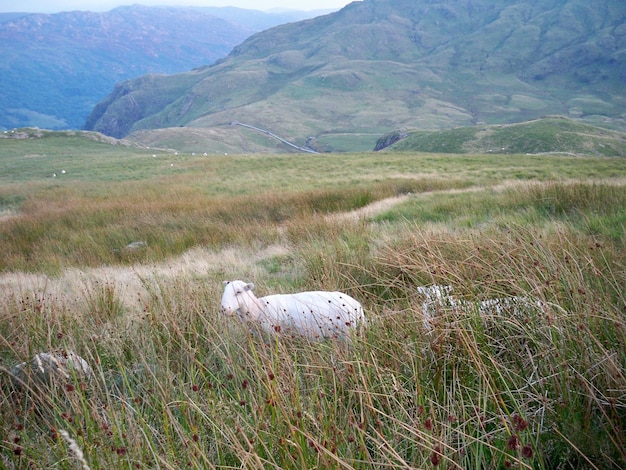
280, 139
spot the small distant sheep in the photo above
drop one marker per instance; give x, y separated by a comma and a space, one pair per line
315, 315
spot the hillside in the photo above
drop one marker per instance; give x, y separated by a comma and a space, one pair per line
379, 65
56, 68
547, 135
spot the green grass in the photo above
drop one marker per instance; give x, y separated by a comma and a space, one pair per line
176, 385
593, 208
37, 155
345, 142
547, 135
447, 141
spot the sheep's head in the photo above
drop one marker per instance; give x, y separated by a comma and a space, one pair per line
237, 298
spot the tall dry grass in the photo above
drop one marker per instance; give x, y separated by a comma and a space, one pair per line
177, 385
82, 226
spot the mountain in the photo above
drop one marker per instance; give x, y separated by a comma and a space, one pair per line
546, 135
56, 68
379, 65
260, 20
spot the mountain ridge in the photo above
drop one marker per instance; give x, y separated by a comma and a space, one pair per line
378, 65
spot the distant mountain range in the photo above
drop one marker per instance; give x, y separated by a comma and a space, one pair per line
380, 65
56, 68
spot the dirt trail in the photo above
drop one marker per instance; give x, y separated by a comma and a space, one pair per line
130, 281
371, 209
73, 286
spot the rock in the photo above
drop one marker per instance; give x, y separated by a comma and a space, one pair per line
136, 246
51, 368
388, 140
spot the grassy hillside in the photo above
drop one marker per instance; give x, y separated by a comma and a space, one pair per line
378, 65
175, 384
547, 135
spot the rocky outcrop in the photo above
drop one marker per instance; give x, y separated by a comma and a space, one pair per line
389, 139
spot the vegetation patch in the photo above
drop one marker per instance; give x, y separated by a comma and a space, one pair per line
176, 384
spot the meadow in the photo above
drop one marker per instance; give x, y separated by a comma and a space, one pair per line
122, 257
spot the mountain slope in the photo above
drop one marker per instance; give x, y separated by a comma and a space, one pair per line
377, 65
56, 68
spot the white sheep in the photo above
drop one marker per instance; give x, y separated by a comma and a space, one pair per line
436, 297
440, 297
315, 315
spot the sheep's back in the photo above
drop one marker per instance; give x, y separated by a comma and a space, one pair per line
314, 314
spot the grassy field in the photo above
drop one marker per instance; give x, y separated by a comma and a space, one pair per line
176, 385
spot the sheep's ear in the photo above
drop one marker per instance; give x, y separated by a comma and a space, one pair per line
226, 283
249, 286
